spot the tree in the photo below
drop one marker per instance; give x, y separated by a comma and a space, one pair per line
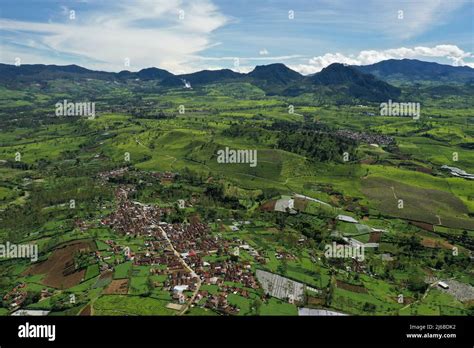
369, 307
416, 283
256, 305
149, 284
283, 266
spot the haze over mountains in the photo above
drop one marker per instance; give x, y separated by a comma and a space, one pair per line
370, 82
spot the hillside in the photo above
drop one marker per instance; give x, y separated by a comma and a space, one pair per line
354, 83
411, 71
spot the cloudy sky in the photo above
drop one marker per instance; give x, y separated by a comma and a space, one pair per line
184, 36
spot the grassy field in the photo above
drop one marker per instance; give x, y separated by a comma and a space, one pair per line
130, 305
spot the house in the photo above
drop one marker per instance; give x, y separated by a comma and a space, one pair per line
443, 285
346, 218
285, 204
180, 288
30, 312
387, 257
181, 298
318, 312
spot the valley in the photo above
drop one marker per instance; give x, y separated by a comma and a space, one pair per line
134, 214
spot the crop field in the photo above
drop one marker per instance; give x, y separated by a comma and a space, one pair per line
419, 204
129, 305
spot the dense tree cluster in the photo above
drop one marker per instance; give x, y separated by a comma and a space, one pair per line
317, 146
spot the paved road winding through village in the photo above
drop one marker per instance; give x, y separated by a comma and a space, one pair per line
193, 274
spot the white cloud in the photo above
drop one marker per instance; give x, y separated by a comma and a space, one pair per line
272, 58
243, 69
148, 32
450, 52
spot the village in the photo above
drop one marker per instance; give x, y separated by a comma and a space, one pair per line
181, 247
218, 266
202, 269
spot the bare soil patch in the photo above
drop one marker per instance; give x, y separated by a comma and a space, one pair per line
315, 301
423, 225
59, 268
300, 204
268, 206
435, 243
117, 286
86, 311
351, 287
375, 237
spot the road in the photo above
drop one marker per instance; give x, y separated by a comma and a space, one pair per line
185, 265
430, 286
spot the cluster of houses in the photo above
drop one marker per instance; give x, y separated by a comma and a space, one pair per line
116, 249
279, 255
194, 242
252, 252
178, 282
236, 225
369, 138
105, 176
188, 254
218, 302
158, 253
229, 271
133, 218
165, 177
16, 296
82, 225
191, 238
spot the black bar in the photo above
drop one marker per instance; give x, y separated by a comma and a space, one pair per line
380, 331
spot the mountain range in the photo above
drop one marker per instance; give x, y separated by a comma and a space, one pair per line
411, 71
374, 82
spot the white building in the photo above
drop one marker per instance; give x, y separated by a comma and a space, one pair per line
346, 218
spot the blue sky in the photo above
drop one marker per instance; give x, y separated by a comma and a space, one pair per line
184, 36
